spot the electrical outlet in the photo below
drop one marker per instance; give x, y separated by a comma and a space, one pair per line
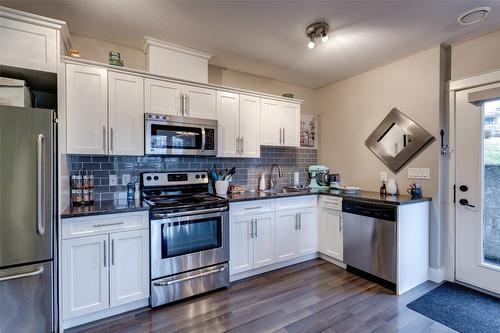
125, 179
113, 180
419, 173
383, 176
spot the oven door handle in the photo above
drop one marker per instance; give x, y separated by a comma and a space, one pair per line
203, 138
191, 212
187, 278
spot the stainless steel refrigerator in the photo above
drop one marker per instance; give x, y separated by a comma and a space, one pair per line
27, 215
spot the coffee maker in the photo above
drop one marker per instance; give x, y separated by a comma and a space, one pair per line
319, 177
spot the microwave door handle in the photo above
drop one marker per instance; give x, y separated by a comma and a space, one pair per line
203, 138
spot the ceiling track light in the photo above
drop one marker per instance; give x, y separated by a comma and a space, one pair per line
315, 31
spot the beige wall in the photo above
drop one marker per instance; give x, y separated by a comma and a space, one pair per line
350, 110
97, 50
477, 55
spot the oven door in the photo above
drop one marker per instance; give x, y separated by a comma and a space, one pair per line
179, 138
184, 243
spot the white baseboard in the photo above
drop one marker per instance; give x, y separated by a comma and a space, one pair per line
104, 313
272, 267
436, 274
332, 260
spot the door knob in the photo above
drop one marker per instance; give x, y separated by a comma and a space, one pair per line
465, 202
463, 188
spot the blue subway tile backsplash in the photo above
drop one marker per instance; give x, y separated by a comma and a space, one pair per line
248, 170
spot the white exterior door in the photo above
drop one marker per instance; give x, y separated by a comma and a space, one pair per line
250, 125
477, 167
290, 118
331, 233
270, 123
199, 102
126, 114
228, 122
129, 266
307, 237
263, 241
86, 109
286, 227
241, 245
85, 275
162, 97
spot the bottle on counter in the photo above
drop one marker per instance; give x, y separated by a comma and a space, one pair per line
130, 191
383, 189
137, 192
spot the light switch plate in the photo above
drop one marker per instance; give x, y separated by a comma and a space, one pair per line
419, 173
125, 179
113, 180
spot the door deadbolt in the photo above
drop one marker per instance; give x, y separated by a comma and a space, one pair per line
463, 188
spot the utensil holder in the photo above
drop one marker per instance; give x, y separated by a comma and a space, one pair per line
221, 187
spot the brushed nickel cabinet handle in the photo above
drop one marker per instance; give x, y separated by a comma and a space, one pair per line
106, 224
255, 221
105, 254
111, 139
104, 138
242, 144
112, 252
251, 228
187, 278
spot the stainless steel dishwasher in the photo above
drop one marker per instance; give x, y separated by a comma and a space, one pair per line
370, 238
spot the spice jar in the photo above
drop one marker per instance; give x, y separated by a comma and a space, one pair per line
87, 195
77, 181
76, 196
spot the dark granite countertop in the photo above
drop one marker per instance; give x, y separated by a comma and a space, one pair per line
105, 207
361, 196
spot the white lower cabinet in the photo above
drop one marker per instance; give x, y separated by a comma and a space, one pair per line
296, 233
330, 228
307, 233
251, 241
105, 270
85, 275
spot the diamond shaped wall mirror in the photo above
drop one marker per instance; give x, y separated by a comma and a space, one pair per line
397, 140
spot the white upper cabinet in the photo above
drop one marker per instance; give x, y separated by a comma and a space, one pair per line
280, 123
87, 115
270, 121
290, 117
162, 97
228, 122
175, 99
31, 41
238, 119
250, 126
126, 114
199, 102
129, 266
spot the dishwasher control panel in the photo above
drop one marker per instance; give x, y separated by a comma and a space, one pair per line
378, 211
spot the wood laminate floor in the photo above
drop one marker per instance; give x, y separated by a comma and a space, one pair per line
314, 296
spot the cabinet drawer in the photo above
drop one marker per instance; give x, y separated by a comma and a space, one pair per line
296, 202
103, 224
331, 202
251, 207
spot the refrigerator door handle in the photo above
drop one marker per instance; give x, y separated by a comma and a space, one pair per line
23, 275
40, 220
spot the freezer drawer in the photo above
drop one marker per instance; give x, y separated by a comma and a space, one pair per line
26, 294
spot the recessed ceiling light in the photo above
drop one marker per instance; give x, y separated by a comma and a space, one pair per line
473, 16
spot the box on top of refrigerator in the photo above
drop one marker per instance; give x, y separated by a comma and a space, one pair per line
14, 92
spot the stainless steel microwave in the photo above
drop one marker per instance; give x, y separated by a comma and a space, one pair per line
175, 135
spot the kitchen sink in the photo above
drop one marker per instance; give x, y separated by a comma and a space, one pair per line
286, 190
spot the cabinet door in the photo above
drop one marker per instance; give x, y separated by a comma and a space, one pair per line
263, 241
332, 240
270, 125
228, 122
307, 237
162, 97
290, 119
286, 235
87, 109
250, 125
126, 114
85, 275
129, 266
241, 250
199, 102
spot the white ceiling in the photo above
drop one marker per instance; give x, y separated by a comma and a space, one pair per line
267, 38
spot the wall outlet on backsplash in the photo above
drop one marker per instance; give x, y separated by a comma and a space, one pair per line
125, 179
113, 180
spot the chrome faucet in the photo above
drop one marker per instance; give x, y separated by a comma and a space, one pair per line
274, 179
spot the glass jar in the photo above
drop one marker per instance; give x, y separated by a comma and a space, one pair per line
77, 196
76, 181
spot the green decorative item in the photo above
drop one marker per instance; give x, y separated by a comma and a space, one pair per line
115, 59
288, 95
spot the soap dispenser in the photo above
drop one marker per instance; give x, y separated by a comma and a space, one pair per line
263, 182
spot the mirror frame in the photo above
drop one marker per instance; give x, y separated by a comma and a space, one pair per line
420, 139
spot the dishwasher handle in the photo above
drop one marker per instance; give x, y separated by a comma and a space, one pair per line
370, 209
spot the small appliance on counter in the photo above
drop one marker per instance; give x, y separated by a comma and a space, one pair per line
335, 181
319, 177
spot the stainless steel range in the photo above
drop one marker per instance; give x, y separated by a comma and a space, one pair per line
189, 235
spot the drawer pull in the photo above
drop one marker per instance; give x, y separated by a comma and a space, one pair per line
251, 208
187, 278
107, 224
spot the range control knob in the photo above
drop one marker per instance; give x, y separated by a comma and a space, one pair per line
197, 176
148, 178
203, 176
157, 117
164, 117
156, 178
149, 116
